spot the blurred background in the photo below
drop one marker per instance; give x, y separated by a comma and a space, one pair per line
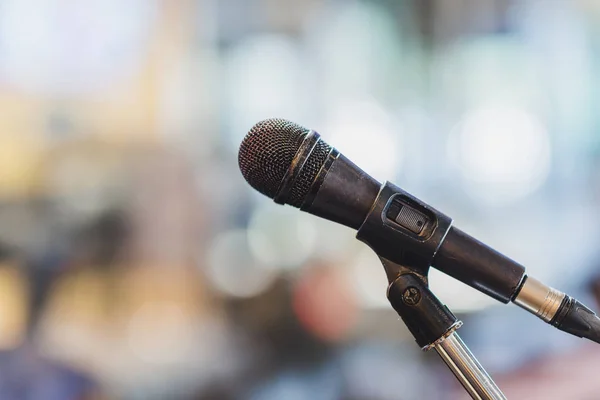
136, 263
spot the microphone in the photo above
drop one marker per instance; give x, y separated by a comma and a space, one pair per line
293, 165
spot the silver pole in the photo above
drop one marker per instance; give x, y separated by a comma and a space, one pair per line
467, 369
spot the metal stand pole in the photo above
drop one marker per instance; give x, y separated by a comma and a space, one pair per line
467, 369
434, 327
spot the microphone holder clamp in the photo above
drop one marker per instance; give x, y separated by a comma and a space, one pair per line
406, 234
434, 327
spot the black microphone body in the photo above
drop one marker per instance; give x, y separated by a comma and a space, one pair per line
292, 165
407, 231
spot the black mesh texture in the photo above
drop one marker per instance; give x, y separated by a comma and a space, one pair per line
308, 174
267, 152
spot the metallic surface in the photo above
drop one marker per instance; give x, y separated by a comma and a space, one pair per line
319, 179
411, 219
449, 333
539, 299
267, 152
304, 152
467, 369
282, 159
308, 173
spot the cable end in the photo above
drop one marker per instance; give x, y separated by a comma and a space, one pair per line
576, 319
558, 309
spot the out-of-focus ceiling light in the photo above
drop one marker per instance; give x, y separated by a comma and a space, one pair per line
263, 76
281, 237
233, 270
503, 154
72, 46
368, 135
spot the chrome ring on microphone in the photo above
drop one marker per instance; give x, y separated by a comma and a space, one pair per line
304, 151
539, 299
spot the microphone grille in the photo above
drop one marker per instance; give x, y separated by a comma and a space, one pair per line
267, 152
308, 174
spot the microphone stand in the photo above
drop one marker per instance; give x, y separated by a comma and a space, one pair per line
406, 234
434, 327
409, 236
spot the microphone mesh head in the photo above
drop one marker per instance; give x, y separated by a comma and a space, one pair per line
308, 174
267, 152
